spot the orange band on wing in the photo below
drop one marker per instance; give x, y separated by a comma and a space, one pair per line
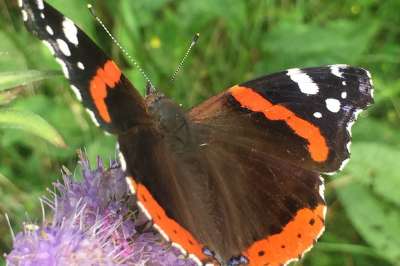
297, 237
253, 101
176, 233
105, 78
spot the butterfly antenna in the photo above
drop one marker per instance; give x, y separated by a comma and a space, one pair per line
90, 7
193, 43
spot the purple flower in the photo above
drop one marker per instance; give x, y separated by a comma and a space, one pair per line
95, 222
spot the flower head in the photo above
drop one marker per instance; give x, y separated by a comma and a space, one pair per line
94, 221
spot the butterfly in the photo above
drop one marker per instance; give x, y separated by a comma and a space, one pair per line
235, 180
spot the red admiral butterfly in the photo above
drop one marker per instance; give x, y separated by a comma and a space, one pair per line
235, 179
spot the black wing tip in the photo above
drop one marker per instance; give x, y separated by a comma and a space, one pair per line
31, 10
366, 89
368, 86
364, 78
32, 4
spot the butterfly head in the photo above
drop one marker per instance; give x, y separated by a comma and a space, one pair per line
150, 89
168, 116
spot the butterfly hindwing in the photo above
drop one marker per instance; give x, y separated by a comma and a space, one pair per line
233, 199
96, 80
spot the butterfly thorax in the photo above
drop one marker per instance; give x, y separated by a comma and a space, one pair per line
169, 120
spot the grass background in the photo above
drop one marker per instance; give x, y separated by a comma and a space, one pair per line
239, 41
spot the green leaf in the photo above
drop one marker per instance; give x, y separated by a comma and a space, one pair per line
18, 195
347, 248
11, 57
31, 123
308, 44
376, 220
372, 130
12, 79
376, 166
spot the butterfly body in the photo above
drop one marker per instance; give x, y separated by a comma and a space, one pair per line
169, 118
235, 180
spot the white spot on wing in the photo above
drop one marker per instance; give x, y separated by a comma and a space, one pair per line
195, 259
348, 146
303, 80
344, 83
64, 67
48, 45
80, 65
70, 31
93, 117
335, 69
144, 210
161, 232
130, 185
20, 3
76, 92
345, 162
320, 232
324, 216
349, 126
343, 95
49, 30
63, 47
357, 113
370, 81
368, 74
42, 15
180, 248
317, 115
311, 246
290, 261
332, 105
322, 188
122, 161
351, 123
40, 4
24, 15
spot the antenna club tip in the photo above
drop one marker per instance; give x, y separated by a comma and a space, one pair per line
90, 7
195, 38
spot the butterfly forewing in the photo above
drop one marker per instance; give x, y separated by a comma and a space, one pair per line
303, 115
110, 99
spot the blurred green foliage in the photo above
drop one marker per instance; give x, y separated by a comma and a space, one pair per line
239, 41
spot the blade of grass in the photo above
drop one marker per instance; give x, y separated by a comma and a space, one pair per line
9, 80
348, 248
31, 123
